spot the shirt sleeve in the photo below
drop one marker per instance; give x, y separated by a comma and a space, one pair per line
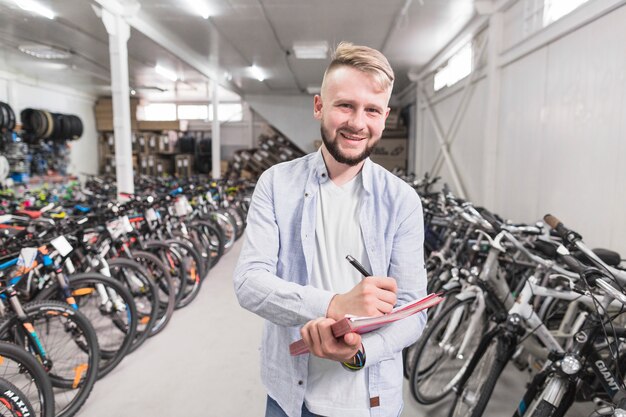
257, 286
407, 267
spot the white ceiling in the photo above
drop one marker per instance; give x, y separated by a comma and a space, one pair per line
239, 33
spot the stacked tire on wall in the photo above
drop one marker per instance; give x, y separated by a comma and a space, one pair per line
39, 125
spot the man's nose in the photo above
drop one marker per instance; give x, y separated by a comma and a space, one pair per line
357, 120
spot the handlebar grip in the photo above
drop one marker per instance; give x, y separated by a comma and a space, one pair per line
552, 221
566, 234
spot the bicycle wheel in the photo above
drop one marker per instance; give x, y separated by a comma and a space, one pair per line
114, 319
214, 237
145, 294
228, 227
173, 260
22, 370
201, 245
71, 348
436, 364
485, 368
13, 402
191, 271
547, 384
164, 285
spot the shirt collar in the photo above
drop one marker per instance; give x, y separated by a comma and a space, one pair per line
321, 172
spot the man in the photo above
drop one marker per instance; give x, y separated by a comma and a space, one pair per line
306, 215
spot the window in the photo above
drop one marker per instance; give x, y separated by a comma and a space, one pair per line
193, 112
457, 68
228, 112
159, 111
553, 10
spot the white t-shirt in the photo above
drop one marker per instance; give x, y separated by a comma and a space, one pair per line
332, 390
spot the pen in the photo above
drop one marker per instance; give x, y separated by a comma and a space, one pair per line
358, 266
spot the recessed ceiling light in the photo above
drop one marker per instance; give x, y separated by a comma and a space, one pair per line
310, 50
34, 7
165, 72
257, 73
44, 51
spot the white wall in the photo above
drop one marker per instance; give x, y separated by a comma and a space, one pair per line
560, 135
21, 92
292, 115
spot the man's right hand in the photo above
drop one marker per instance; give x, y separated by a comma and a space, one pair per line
373, 296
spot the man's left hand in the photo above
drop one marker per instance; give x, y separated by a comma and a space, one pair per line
319, 338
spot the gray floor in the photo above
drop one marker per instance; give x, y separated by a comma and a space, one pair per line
205, 364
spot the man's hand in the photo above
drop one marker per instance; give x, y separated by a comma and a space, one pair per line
373, 296
319, 338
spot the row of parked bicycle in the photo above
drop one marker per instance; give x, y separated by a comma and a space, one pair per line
534, 296
85, 282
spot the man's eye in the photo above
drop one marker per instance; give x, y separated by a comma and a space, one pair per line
374, 111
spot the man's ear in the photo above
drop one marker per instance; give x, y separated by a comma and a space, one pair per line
317, 106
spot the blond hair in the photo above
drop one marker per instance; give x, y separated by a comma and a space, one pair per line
364, 59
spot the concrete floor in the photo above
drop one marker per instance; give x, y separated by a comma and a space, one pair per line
205, 364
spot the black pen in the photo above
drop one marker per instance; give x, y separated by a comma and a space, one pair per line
358, 266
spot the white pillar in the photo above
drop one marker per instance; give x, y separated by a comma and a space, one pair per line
215, 133
490, 168
119, 32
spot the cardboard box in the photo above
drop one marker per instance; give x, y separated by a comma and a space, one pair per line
147, 165
164, 166
158, 126
391, 153
165, 144
184, 166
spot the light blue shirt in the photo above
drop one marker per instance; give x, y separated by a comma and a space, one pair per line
272, 275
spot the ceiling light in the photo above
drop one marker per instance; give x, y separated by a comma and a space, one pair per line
310, 50
133, 92
167, 73
314, 89
257, 73
199, 8
33, 6
44, 51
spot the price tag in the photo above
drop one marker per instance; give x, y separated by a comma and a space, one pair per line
62, 245
151, 215
127, 226
180, 208
27, 257
118, 227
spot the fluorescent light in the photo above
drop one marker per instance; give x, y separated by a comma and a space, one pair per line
199, 8
33, 6
314, 89
44, 51
257, 73
167, 73
310, 50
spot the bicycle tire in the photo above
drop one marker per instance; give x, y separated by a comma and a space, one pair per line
164, 285
24, 371
143, 289
471, 398
70, 392
215, 238
192, 272
13, 402
431, 360
170, 257
115, 325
